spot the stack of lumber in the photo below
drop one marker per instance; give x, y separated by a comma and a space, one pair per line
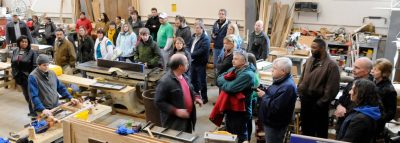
281, 17
282, 22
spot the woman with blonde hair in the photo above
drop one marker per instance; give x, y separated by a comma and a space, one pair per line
126, 43
234, 29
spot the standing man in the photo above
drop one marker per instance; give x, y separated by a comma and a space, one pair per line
361, 70
259, 42
86, 23
236, 121
15, 29
175, 97
64, 53
183, 30
318, 86
45, 88
49, 31
199, 51
278, 101
153, 23
165, 36
218, 34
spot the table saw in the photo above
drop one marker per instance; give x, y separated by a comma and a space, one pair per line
141, 80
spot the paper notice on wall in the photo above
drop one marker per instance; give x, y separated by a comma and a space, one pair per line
173, 7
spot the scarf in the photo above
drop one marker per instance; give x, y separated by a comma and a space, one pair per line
110, 35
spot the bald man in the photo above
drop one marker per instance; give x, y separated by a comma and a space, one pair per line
175, 97
258, 42
361, 69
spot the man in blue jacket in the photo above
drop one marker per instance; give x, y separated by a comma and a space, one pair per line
219, 30
278, 101
236, 121
45, 88
198, 49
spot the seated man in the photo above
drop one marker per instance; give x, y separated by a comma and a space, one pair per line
147, 51
45, 88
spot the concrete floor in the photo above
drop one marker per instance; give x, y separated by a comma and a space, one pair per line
14, 112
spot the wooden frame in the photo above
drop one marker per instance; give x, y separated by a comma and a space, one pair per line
76, 131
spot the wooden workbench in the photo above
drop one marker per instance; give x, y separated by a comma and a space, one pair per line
55, 133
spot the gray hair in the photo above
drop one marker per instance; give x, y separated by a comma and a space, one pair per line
283, 63
367, 63
223, 10
243, 54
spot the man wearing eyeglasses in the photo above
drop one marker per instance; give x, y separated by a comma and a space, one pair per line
147, 51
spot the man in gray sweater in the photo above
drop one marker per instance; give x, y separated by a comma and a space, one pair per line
45, 88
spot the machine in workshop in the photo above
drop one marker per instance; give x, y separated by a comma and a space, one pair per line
131, 74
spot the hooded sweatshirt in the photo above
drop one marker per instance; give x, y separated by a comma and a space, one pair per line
184, 32
360, 125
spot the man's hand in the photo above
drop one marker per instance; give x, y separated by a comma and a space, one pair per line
74, 101
182, 113
260, 92
340, 111
199, 101
47, 112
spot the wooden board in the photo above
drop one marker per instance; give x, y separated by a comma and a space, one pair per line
111, 7
96, 9
89, 9
267, 19
279, 25
57, 132
85, 82
306, 40
123, 8
286, 32
81, 132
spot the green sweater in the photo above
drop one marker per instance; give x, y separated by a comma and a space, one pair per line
148, 52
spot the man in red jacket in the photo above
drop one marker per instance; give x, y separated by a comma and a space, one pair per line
83, 21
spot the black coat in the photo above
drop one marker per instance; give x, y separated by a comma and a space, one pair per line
85, 50
225, 64
345, 101
137, 25
22, 68
388, 96
153, 24
185, 33
357, 128
169, 96
259, 45
10, 32
201, 50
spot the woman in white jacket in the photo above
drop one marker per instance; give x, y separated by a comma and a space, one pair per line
126, 42
103, 47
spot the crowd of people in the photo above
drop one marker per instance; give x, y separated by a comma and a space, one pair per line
366, 105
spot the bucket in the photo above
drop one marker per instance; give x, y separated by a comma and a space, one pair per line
152, 112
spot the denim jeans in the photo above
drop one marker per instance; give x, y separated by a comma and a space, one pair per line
274, 135
236, 123
216, 53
